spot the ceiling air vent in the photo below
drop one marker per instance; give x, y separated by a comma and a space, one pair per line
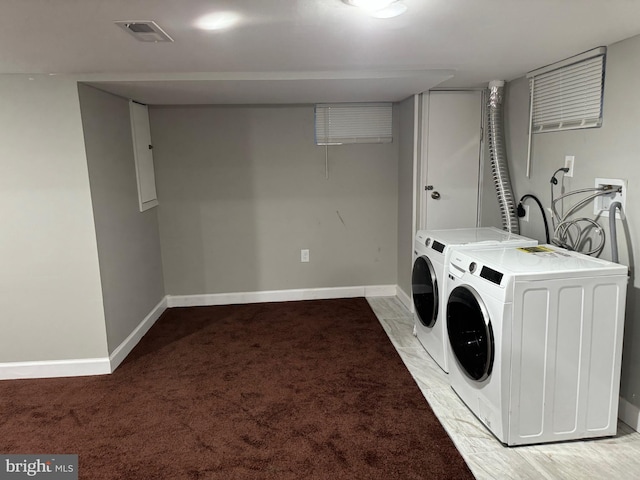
145, 31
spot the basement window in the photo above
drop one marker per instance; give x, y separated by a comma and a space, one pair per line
342, 123
568, 95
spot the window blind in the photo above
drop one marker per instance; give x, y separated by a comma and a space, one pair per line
568, 96
341, 123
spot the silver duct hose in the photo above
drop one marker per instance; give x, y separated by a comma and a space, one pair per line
498, 156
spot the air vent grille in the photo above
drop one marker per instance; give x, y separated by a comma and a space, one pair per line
145, 30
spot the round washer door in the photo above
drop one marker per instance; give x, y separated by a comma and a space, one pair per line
470, 333
424, 286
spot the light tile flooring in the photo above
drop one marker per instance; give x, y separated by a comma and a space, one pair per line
607, 458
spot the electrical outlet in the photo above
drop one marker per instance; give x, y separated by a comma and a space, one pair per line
304, 255
568, 163
526, 213
602, 203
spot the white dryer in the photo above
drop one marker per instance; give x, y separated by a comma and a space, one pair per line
536, 341
432, 249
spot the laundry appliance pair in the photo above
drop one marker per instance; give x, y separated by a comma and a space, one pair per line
432, 253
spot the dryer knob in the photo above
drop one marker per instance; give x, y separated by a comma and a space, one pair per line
472, 267
427, 242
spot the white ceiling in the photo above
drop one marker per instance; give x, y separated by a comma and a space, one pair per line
302, 51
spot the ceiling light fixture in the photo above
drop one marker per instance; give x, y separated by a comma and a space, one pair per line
370, 4
218, 21
393, 10
379, 8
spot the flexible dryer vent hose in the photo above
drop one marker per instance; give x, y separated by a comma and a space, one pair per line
498, 156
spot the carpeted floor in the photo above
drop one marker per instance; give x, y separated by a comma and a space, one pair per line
295, 390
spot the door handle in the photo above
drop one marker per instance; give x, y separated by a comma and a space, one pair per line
435, 196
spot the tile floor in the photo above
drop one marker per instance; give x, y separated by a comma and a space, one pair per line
607, 458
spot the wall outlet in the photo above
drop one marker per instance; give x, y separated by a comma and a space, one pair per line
304, 255
526, 213
602, 203
568, 163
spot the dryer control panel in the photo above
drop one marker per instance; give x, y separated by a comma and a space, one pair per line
491, 275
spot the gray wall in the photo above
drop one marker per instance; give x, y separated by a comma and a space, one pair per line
609, 152
405, 195
243, 189
128, 240
50, 294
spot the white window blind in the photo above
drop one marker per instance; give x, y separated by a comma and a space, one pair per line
568, 95
353, 123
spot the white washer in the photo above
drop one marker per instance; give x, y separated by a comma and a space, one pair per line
432, 249
536, 341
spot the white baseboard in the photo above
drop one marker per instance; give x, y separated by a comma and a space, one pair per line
629, 414
380, 291
82, 366
55, 368
106, 365
405, 299
122, 350
280, 295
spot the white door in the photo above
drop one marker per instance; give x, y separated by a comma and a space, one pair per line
451, 159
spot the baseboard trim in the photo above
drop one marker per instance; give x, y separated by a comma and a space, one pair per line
380, 291
122, 350
405, 299
280, 295
83, 366
106, 365
629, 414
55, 368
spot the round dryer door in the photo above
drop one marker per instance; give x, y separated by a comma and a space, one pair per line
424, 286
470, 333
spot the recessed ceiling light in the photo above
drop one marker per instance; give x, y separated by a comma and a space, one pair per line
379, 8
217, 21
370, 4
391, 11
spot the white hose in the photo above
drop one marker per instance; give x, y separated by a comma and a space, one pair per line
568, 233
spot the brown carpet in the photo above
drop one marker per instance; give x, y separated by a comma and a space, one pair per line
296, 390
